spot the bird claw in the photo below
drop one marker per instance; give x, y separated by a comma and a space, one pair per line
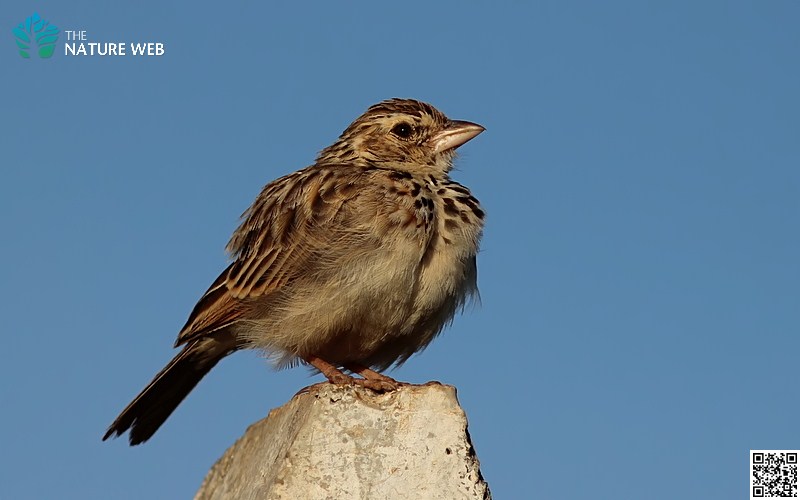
379, 385
376, 385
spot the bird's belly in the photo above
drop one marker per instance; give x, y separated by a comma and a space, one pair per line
410, 313
380, 309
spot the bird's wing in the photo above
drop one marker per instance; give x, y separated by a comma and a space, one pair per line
300, 225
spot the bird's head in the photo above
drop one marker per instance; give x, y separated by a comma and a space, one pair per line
402, 134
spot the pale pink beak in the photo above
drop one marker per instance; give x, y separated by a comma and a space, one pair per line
455, 134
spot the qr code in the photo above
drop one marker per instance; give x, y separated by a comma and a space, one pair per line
773, 474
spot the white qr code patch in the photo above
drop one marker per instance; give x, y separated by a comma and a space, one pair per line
773, 474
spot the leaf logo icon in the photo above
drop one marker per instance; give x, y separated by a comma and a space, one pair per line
37, 33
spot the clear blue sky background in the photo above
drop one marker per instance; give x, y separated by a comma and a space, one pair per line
640, 324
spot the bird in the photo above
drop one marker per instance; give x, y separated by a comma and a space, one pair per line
352, 264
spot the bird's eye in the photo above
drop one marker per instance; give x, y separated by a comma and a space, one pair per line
402, 130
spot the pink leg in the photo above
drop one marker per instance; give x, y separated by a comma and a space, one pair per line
333, 374
374, 380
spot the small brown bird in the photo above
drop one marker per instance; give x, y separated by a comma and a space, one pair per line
356, 262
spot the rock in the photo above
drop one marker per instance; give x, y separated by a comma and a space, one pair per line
344, 442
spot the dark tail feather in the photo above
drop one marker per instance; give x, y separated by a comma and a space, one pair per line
145, 414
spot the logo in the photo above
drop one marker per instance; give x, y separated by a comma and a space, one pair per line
37, 35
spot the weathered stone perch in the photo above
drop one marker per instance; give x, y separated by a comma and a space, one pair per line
341, 442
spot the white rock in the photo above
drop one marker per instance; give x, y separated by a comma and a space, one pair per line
341, 442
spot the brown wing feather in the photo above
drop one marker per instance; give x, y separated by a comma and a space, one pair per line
216, 309
286, 233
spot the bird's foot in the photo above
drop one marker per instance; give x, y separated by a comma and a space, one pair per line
383, 384
388, 385
373, 380
341, 379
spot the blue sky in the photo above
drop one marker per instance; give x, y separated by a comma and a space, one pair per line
639, 271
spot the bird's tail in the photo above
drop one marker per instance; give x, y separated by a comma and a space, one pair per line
145, 414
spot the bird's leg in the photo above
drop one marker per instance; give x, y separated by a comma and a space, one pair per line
372, 379
333, 374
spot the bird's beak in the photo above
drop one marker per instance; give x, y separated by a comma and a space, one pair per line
455, 134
